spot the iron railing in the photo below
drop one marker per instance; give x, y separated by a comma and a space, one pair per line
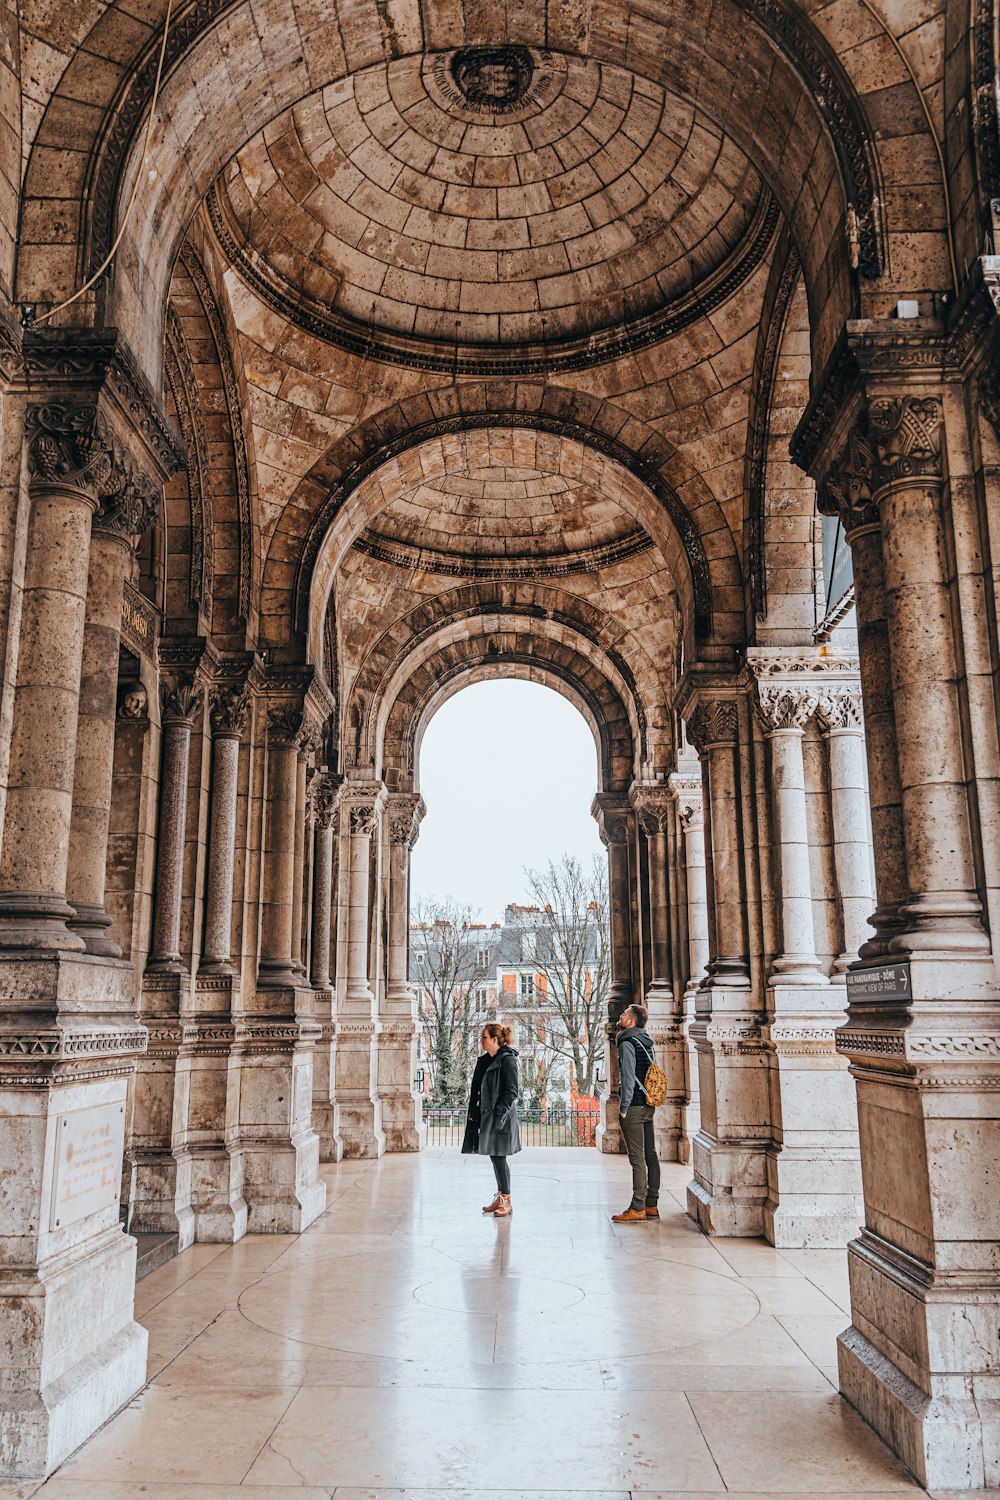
554, 1125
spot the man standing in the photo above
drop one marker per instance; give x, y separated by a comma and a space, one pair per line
635, 1053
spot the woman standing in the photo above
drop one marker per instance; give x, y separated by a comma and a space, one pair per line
492, 1129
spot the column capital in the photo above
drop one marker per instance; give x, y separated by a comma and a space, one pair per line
405, 811
284, 724
70, 446
229, 708
179, 698
611, 811
840, 709
689, 797
713, 721
895, 441
325, 787
653, 804
359, 804
785, 706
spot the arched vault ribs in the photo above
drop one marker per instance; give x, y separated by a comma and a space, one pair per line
638, 468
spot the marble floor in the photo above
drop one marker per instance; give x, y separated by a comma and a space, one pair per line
406, 1345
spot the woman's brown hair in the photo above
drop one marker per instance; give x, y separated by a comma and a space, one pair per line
501, 1033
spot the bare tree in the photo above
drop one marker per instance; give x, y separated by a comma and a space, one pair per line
444, 954
573, 953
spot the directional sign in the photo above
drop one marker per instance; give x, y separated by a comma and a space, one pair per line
880, 982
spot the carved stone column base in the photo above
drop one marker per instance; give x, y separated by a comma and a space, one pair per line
161, 1168
330, 1148
211, 1137
72, 1352
402, 1110
357, 1108
729, 1151
946, 1429
278, 1145
814, 1168
921, 1361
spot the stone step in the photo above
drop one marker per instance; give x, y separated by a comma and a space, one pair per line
154, 1250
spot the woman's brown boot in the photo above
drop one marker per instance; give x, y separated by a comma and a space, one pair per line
491, 1208
504, 1208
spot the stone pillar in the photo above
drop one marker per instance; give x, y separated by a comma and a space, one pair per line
729, 1152
614, 825
841, 720
179, 705
72, 1352
161, 1170
654, 807
212, 1145
401, 1106
275, 1030
814, 1177
325, 797
299, 853
687, 792
920, 1359
358, 1109
119, 519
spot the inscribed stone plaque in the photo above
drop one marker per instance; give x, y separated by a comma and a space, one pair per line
882, 982
303, 1092
89, 1145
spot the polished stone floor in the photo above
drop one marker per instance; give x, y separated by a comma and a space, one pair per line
407, 1345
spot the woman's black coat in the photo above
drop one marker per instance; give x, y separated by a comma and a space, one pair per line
492, 1128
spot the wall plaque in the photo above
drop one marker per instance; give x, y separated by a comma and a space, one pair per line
881, 982
89, 1145
140, 622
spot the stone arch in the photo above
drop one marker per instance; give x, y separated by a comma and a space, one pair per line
672, 500
781, 88
550, 615
504, 645
782, 531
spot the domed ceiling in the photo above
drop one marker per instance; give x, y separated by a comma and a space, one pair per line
497, 504
492, 209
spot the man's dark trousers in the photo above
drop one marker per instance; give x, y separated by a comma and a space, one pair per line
637, 1128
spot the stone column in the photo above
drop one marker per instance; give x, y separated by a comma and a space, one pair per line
324, 897
358, 1109
161, 1172
179, 705
814, 1179
70, 462
614, 825
218, 1204
841, 719
729, 1152
275, 1031
691, 816
299, 853
72, 1352
228, 707
920, 1359
118, 521
654, 807
402, 1110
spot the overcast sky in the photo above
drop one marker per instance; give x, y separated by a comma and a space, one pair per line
508, 771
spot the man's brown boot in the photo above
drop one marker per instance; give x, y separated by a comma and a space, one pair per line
630, 1216
652, 1213
491, 1208
504, 1208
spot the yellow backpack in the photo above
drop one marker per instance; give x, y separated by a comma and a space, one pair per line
654, 1085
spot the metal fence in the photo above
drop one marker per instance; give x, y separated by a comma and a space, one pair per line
556, 1125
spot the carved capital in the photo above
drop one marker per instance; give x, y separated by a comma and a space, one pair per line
405, 811
785, 706
359, 807
715, 721
840, 708
690, 799
284, 725
130, 509
896, 441
325, 789
229, 708
179, 699
613, 819
654, 807
69, 446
